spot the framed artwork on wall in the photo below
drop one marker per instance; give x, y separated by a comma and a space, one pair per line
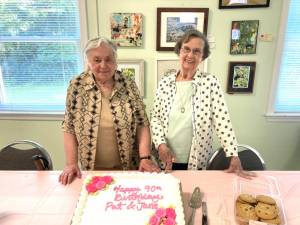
244, 37
127, 29
231, 4
241, 77
167, 66
173, 22
133, 68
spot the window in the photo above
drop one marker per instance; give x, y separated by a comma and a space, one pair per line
39, 54
285, 100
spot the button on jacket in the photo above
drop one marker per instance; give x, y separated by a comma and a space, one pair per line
82, 117
209, 111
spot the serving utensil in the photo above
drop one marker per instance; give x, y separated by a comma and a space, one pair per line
195, 203
204, 214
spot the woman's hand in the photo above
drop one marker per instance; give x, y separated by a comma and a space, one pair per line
146, 165
166, 156
235, 166
69, 173
71, 170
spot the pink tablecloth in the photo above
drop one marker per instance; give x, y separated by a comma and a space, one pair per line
35, 198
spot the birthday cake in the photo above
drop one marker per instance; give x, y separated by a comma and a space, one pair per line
130, 198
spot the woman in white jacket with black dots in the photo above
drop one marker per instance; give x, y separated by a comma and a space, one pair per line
188, 105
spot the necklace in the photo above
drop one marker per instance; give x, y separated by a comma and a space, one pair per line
184, 95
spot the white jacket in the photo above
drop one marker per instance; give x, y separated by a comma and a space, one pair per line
209, 111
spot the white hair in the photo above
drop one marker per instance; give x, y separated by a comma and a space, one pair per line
95, 43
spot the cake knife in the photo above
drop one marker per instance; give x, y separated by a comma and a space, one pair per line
204, 214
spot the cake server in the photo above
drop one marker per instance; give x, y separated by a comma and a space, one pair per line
195, 203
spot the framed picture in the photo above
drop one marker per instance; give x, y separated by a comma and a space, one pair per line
241, 77
231, 4
173, 22
244, 37
133, 68
127, 29
165, 67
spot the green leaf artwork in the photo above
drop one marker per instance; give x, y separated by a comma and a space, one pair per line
128, 72
244, 37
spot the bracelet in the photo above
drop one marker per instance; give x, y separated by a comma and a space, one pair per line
146, 157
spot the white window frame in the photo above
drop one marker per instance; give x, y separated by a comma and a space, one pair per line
271, 115
57, 115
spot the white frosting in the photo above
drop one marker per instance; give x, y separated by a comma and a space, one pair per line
131, 199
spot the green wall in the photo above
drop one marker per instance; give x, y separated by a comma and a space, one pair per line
278, 142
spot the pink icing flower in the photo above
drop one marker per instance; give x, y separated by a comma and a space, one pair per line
95, 179
169, 221
154, 220
91, 188
161, 212
107, 179
100, 185
163, 216
170, 213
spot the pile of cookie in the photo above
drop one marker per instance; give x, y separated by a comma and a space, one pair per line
260, 208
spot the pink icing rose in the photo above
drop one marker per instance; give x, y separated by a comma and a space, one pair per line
91, 188
169, 221
100, 185
170, 213
161, 212
95, 179
163, 216
154, 220
107, 179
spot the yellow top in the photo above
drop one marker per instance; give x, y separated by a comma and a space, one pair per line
107, 155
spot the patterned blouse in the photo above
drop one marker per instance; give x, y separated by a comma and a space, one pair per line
209, 111
82, 117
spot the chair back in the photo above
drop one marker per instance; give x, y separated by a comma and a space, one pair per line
249, 157
33, 157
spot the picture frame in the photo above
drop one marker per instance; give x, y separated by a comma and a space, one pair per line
244, 37
133, 68
167, 66
127, 29
241, 77
173, 22
233, 4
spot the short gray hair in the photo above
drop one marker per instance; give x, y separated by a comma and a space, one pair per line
96, 42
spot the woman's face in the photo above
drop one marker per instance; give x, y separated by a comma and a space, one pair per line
101, 62
191, 54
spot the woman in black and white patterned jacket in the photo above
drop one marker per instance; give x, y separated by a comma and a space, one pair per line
188, 105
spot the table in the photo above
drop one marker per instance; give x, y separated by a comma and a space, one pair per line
36, 197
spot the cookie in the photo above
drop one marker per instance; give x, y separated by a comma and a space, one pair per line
238, 204
276, 221
241, 201
265, 199
247, 198
246, 211
266, 211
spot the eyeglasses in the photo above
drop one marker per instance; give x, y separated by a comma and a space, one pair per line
195, 51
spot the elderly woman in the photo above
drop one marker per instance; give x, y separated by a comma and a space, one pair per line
188, 105
105, 125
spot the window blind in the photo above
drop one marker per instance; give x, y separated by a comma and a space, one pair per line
39, 53
287, 98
